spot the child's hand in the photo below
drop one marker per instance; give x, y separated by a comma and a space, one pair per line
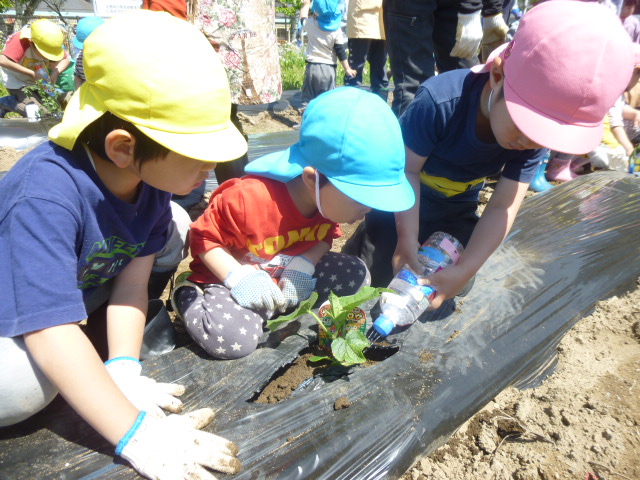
407, 254
145, 393
350, 72
296, 281
254, 289
174, 447
447, 283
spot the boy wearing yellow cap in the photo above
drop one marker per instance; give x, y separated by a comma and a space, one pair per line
81, 220
37, 46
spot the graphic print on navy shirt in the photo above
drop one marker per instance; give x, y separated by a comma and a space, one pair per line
106, 259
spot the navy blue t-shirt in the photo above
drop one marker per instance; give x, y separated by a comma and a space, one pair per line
440, 124
63, 233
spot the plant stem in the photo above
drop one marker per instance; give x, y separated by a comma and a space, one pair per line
321, 324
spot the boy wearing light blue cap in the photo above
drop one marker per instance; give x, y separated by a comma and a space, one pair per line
85, 27
262, 246
326, 45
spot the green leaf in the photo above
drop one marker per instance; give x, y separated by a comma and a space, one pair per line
303, 309
349, 302
339, 349
336, 306
317, 358
341, 306
357, 340
349, 350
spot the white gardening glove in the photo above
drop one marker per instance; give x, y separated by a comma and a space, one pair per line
255, 289
145, 393
296, 281
468, 35
494, 34
173, 447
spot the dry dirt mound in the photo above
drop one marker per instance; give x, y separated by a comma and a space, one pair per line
583, 418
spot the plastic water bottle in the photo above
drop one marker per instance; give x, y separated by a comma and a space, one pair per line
410, 300
634, 161
49, 87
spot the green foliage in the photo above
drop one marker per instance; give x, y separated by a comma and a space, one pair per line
292, 65
347, 347
49, 104
5, 5
289, 9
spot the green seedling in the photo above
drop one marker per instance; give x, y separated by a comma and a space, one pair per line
347, 346
48, 102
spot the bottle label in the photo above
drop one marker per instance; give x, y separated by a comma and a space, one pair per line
448, 246
409, 277
432, 254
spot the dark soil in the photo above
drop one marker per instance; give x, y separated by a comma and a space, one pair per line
288, 379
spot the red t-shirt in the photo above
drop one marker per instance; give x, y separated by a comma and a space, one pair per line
255, 219
177, 8
16, 47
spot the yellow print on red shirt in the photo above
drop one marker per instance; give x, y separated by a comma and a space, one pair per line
273, 245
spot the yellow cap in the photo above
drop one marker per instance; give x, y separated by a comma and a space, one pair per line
48, 39
161, 74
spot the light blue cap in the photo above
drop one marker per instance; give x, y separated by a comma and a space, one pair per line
328, 14
85, 27
383, 325
353, 138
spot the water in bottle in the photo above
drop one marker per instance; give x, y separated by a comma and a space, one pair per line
410, 299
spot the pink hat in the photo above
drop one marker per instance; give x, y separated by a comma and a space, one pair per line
566, 66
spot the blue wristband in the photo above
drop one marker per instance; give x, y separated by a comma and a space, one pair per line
132, 431
132, 359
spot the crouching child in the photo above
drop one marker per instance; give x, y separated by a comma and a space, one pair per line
263, 244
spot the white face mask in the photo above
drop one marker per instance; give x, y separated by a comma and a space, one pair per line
318, 194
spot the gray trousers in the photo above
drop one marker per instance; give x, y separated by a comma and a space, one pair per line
318, 78
225, 330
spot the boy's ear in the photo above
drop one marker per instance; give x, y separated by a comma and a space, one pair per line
309, 177
120, 147
496, 73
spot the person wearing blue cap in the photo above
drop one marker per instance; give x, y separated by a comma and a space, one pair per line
262, 245
327, 45
85, 27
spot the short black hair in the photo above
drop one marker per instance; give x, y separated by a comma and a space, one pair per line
96, 132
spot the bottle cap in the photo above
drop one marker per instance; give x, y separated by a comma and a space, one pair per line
383, 325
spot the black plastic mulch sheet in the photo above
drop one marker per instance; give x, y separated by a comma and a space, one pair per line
570, 247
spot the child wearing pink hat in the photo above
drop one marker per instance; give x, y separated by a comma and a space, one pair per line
551, 86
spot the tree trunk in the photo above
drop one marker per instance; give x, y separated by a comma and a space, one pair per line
24, 13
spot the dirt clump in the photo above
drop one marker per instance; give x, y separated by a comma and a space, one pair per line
341, 403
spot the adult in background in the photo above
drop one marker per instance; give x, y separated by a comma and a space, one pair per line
425, 34
365, 29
